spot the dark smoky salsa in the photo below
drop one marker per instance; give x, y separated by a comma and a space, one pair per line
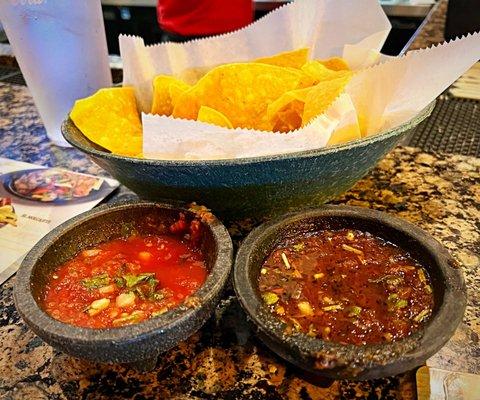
346, 286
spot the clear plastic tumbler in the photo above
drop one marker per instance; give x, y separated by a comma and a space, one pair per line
61, 48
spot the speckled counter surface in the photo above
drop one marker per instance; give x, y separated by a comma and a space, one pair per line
440, 193
433, 31
224, 360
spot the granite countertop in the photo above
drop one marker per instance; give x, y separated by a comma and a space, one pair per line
437, 192
433, 31
224, 360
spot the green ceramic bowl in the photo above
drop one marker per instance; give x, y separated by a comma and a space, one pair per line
257, 186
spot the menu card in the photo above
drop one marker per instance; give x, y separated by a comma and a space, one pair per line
438, 384
36, 199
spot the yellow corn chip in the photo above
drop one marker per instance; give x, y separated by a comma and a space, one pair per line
192, 75
110, 119
344, 135
315, 72
211, 116
335, 64
240, 91
285, 99
363, 124
288, 120
176, 89
292, 59
162, 93
321, 96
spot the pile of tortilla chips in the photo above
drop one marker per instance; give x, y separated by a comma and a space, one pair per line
279, 94
110, 119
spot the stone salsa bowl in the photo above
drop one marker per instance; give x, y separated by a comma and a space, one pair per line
332, 360
256, 186
139, 343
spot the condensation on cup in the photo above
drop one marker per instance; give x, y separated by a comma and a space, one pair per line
61, 48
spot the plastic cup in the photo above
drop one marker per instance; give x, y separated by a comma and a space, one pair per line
61, 48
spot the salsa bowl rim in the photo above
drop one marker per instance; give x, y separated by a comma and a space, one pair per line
40, 321
68, 125
356, 360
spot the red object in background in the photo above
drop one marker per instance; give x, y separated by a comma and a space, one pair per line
203, 17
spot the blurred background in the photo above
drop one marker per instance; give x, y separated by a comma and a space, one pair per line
139, 17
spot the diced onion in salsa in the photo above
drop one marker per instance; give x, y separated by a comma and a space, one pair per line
346, 286
125, 281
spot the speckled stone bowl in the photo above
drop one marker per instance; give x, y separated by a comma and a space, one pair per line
334, 360
140, 343
251, 186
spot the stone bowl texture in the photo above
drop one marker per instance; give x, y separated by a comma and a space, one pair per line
140, 343
258, 186
318, 358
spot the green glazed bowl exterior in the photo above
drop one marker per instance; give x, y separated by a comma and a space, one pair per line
259, 186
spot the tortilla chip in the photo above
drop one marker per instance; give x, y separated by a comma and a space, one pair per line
163, 86
344, 135
335, 64
240, 91
285, 99
211, 116
292, 59
288, 120
315, 72
110, 119
192, 75
321, 96
363, 124
176, 89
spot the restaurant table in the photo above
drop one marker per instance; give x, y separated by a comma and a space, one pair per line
439, 192
224, 360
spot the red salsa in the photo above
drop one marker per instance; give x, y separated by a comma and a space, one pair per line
346, 286
125, 281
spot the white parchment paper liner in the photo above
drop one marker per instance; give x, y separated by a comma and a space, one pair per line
392, 93
384, 96
324, 26
198, 140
